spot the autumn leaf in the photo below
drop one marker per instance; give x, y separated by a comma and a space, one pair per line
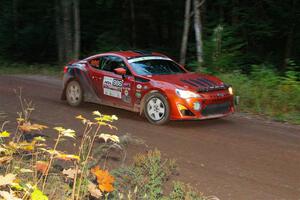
27, 127
5, 149
38, 195
70, 173
94, 191
5, 159
26, 146
8, 195
106, 137
67, 157
7, 179
41, 166
104, 179
4, 134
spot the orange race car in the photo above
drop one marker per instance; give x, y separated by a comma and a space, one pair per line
148, 83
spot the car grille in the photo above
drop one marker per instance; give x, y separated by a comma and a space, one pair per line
215, 109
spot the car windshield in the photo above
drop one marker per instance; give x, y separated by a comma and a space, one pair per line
156, 67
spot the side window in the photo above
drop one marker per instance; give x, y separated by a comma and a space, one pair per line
95, 62
109, 63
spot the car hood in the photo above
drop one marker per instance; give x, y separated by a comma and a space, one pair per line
191, 81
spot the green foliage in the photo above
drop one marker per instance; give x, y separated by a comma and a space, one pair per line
148, 173
183, 191
222, 51
266, 92
23, 68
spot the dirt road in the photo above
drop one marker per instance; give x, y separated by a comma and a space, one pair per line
233, 158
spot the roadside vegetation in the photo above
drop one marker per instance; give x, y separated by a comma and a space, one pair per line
264, 92
9, 68
34, 167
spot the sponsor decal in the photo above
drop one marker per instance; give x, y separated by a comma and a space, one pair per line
138, 95
139, 86
126, 92
145, 87
112, 87
126, 85
126, 99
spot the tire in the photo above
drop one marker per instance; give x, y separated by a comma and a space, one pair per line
74, 93
156, 108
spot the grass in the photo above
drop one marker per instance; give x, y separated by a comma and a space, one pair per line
8, 68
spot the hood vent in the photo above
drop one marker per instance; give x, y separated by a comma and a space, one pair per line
204, 84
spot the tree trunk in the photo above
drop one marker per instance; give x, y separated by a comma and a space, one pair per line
67, 27
59, 33
15, 22
288, 47
198, 31
235, 13
76, 29
185, 35
133, 28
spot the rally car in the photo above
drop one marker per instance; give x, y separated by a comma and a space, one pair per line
148, 83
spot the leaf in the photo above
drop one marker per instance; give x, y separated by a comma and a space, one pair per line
70, 173
23, 170
97, 113
59, 129
114, 117
9, 195
5, 159
4, 134
41, 166
50, 151
26, 146
27, 127
6, 150
7, 179
38, 195
67, 156
94, 191
104, 179
68, 133
39, 139
106, 137
20, 119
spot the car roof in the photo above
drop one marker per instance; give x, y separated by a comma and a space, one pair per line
136, 53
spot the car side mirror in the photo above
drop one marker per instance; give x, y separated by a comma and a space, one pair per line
120, 71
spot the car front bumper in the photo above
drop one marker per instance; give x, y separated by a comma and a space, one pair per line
210, 106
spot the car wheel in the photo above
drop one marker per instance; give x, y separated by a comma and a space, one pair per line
156, 108
74, 93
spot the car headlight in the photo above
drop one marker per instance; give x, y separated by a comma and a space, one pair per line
185, 94
230, 90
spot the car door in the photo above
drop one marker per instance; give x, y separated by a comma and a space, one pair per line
96, 75
117, 90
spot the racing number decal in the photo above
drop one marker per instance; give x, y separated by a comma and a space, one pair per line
112, 87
